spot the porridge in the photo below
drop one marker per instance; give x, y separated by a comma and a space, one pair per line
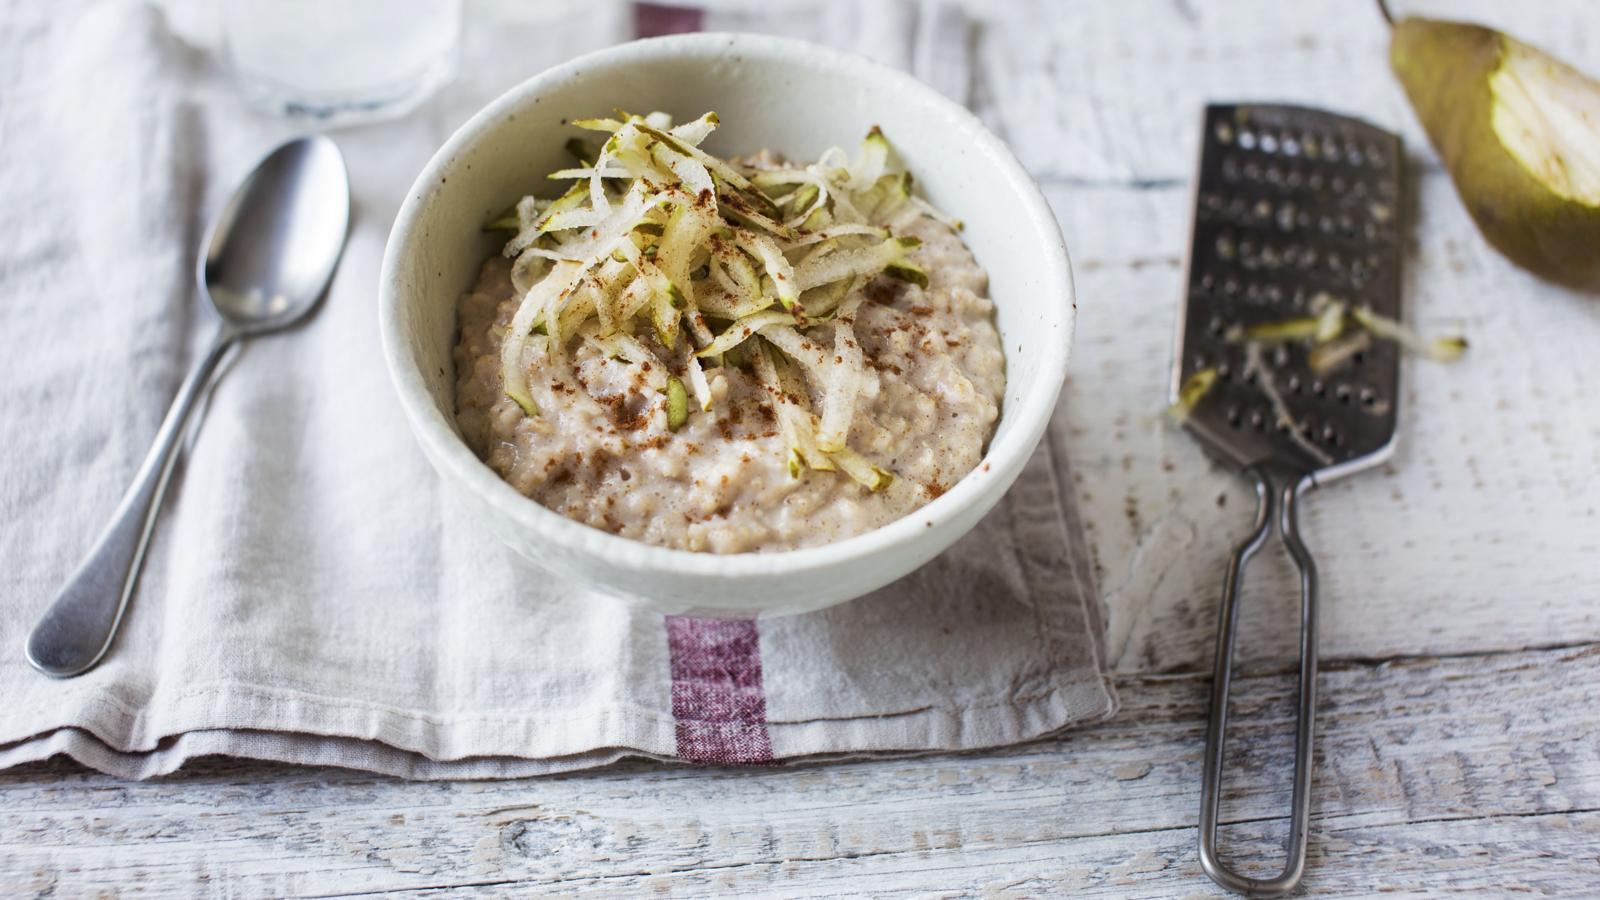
728, 356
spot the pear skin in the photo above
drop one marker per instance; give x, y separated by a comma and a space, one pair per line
1519, 132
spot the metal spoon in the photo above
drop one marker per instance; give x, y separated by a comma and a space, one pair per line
269, 257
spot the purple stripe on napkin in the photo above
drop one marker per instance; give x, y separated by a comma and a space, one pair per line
717, 696
657, 19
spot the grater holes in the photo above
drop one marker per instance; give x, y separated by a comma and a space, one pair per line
1301, 208
1226, 249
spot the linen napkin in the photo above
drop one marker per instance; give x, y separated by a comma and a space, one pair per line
311, 595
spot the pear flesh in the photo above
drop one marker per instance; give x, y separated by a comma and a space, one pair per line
1520, 133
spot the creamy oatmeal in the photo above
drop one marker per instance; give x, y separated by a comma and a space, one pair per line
786, 372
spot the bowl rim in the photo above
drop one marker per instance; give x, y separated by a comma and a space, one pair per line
1004, 458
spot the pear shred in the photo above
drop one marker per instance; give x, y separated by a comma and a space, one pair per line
1191, 392
1440, 349
1327, 357
677, 403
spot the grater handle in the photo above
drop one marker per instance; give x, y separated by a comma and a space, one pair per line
1216, 731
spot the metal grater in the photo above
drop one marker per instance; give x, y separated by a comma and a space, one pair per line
1290, 203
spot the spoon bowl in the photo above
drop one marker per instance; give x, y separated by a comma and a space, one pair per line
271, 251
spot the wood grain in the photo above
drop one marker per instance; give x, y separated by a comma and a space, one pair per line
1463, 773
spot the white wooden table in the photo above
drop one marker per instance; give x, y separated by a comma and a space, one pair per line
1459, 744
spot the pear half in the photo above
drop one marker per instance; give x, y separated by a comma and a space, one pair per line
1520, 133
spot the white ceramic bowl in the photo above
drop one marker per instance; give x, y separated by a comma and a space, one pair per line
798, 99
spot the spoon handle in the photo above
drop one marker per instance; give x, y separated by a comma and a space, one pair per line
77, 629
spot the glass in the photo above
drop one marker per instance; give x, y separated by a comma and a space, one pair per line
339, 61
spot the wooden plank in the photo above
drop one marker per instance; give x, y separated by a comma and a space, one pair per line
1427, 769
1542, 854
